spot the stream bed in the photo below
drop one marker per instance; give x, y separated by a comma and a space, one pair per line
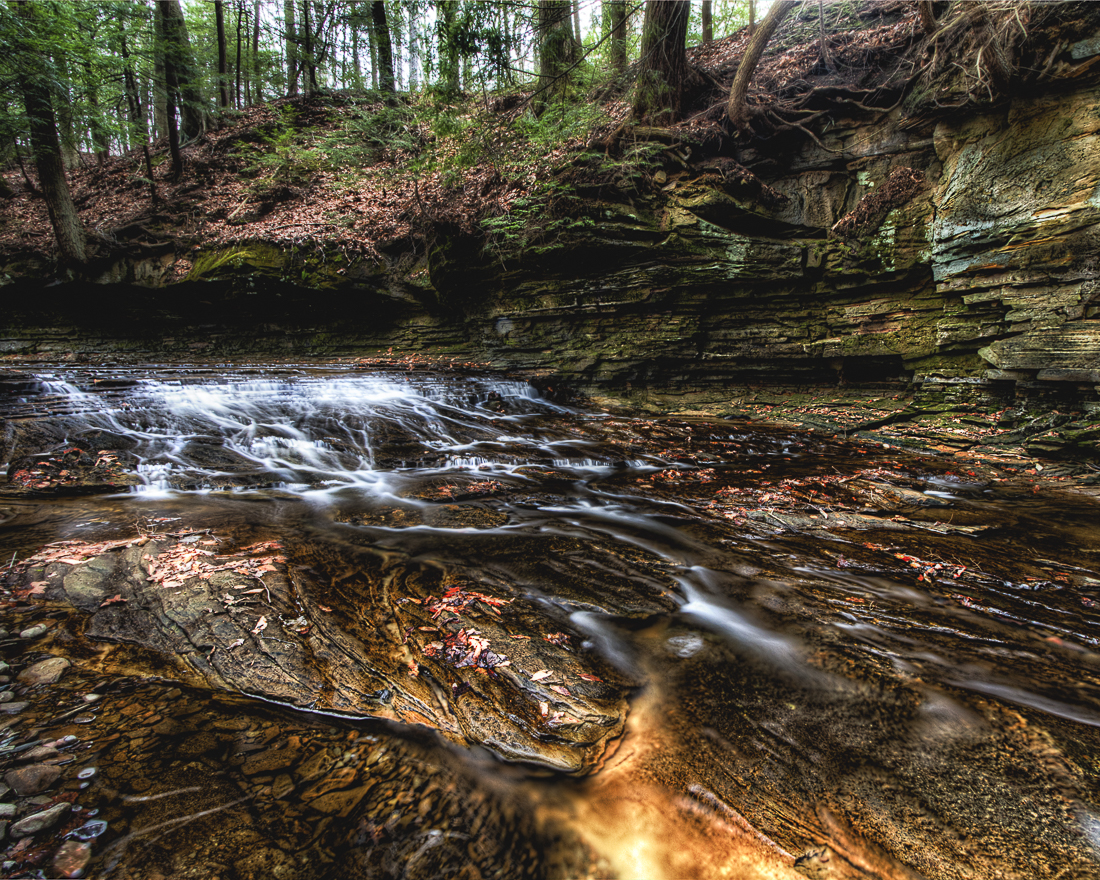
296, 622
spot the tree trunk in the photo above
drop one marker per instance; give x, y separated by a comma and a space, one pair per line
171, 92
928, 22
179, 57
557, 50
373, 58
658, 94
385, 49
257, 97
237, 88
617, 16
66, 117
356, 65
67, 227
223, 61
311, 62
100, 143
708, 22
291, 49
735, 109
448, 48
414, 49
577, 20
826, 57
160, 94
137, 116
752, 17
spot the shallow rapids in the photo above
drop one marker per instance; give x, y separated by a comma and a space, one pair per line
647, 647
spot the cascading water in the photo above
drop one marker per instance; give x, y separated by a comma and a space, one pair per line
838, 657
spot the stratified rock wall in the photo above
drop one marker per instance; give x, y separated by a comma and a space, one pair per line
982, 272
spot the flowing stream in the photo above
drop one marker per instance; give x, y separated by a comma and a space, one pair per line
333, 623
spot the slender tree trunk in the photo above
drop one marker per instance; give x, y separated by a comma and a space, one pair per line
823, 40
663, 65
179, 62
67, 228
448, 48
237, 70
137, 116
257, 97
557, 50
356, 65
617, 15
708, 22
735, 109
373, 42
577, 20
160, 94
311, 62
164, 48
100, 143
223, 61
385, 49
752, 17
414, 49
66, 117
291, 49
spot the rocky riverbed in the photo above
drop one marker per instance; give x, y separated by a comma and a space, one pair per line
307, 623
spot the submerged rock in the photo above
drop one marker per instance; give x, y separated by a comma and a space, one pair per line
32, 779
483, 668
44, 671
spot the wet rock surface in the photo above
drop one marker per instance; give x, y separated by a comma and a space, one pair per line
568, 645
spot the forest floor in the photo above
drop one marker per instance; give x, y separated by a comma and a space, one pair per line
368, 177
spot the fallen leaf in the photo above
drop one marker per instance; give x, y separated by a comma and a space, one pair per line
261, 625
236, 643
544, 709
116, 598
558, 689
588, 677
539, 676
324, 607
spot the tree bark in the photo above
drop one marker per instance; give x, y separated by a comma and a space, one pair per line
826, 57
160, 94
708, 22
373, 58
735, 109
414, 49
137, 117
171, 94
557, 50
616, 14
100, 143
752, 17
223, 61
311, 62
658, 94
67, 227
257, 97
448, 48
928, 22
291, 49
237, 87
577, 20
385, 48
179, 64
